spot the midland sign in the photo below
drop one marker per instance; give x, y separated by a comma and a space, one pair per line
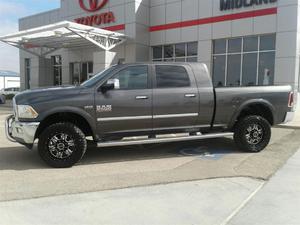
237, 4
96, 19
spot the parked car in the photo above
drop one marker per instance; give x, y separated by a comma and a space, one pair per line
145, 99
10, 91
2, 99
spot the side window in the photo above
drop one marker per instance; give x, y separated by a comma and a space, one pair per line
133, 77
171, 77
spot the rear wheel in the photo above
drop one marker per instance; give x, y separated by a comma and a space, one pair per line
62, 145
252, 133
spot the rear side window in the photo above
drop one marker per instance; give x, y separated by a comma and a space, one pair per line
171, 77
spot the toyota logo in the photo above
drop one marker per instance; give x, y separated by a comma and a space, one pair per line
94, 5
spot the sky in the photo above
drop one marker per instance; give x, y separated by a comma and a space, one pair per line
10, 12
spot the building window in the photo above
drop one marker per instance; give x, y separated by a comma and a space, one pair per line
27, 73
244, 61
182, 52
57, 69
81, 71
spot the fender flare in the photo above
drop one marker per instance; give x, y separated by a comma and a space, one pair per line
248, 103
69, 109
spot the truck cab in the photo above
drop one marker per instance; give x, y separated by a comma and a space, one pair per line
145, 100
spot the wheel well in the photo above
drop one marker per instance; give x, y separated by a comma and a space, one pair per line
74, 118
258, 110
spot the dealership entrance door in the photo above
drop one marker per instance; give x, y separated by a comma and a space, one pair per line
81, 71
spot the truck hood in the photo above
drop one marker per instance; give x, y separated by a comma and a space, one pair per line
45, 94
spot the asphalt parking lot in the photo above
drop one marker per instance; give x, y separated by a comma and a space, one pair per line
23, 175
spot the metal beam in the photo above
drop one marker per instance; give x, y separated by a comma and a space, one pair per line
105, 42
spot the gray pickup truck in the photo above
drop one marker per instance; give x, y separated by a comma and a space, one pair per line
142, 103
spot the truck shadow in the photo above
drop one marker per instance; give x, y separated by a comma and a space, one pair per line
200, 148
19, 158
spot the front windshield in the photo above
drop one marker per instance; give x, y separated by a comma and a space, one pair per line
91, 82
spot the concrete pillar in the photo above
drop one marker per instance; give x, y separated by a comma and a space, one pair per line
104, 59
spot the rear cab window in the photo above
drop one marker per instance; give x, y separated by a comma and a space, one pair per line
171, 76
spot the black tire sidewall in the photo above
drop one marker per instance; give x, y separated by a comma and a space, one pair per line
74, 132
240, 133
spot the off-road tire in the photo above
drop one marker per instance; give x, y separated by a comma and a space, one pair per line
240, 133
80, 144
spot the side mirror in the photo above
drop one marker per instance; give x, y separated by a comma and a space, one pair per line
110, 85
106, 87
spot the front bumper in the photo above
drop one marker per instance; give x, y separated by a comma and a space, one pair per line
22, 132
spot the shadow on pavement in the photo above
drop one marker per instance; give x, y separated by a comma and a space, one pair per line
19, 158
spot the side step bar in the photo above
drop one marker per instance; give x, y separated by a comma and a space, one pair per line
161, 140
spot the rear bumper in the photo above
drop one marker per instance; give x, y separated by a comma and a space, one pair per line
289, 117
22, 132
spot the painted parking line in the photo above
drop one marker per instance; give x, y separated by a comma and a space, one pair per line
204, 152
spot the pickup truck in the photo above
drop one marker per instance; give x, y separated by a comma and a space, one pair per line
142, 103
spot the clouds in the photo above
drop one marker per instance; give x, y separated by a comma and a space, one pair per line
10, 12
8, 8
9, 56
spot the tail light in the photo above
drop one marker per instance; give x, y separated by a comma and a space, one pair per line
291, 100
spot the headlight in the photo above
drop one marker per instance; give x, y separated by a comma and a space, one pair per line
26, 112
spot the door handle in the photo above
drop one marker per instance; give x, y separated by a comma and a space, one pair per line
141, 97
190, 95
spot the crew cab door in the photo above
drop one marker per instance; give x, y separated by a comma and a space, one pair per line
175, 97
128, 106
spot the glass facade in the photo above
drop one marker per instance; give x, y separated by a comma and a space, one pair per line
182, 52
81, 71
244, 61
27, 73
57, 69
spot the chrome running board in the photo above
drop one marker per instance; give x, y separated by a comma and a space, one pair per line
173, 138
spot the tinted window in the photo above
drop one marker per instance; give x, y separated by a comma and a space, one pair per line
250, 44
234, 45
219, 70
180, 50
133, 77
157, 52
96, 78
233, 70
171, 76
249, 69
266, 68
168, 51
267, 42
192, 49
219, 46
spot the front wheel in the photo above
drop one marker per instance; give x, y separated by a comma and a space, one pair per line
252, 133
61, 145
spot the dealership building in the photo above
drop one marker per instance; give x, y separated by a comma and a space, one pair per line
243, 42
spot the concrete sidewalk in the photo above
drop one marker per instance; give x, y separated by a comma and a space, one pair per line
207, 202
278, 202
223, 201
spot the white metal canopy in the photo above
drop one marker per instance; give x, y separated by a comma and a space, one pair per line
43, 40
